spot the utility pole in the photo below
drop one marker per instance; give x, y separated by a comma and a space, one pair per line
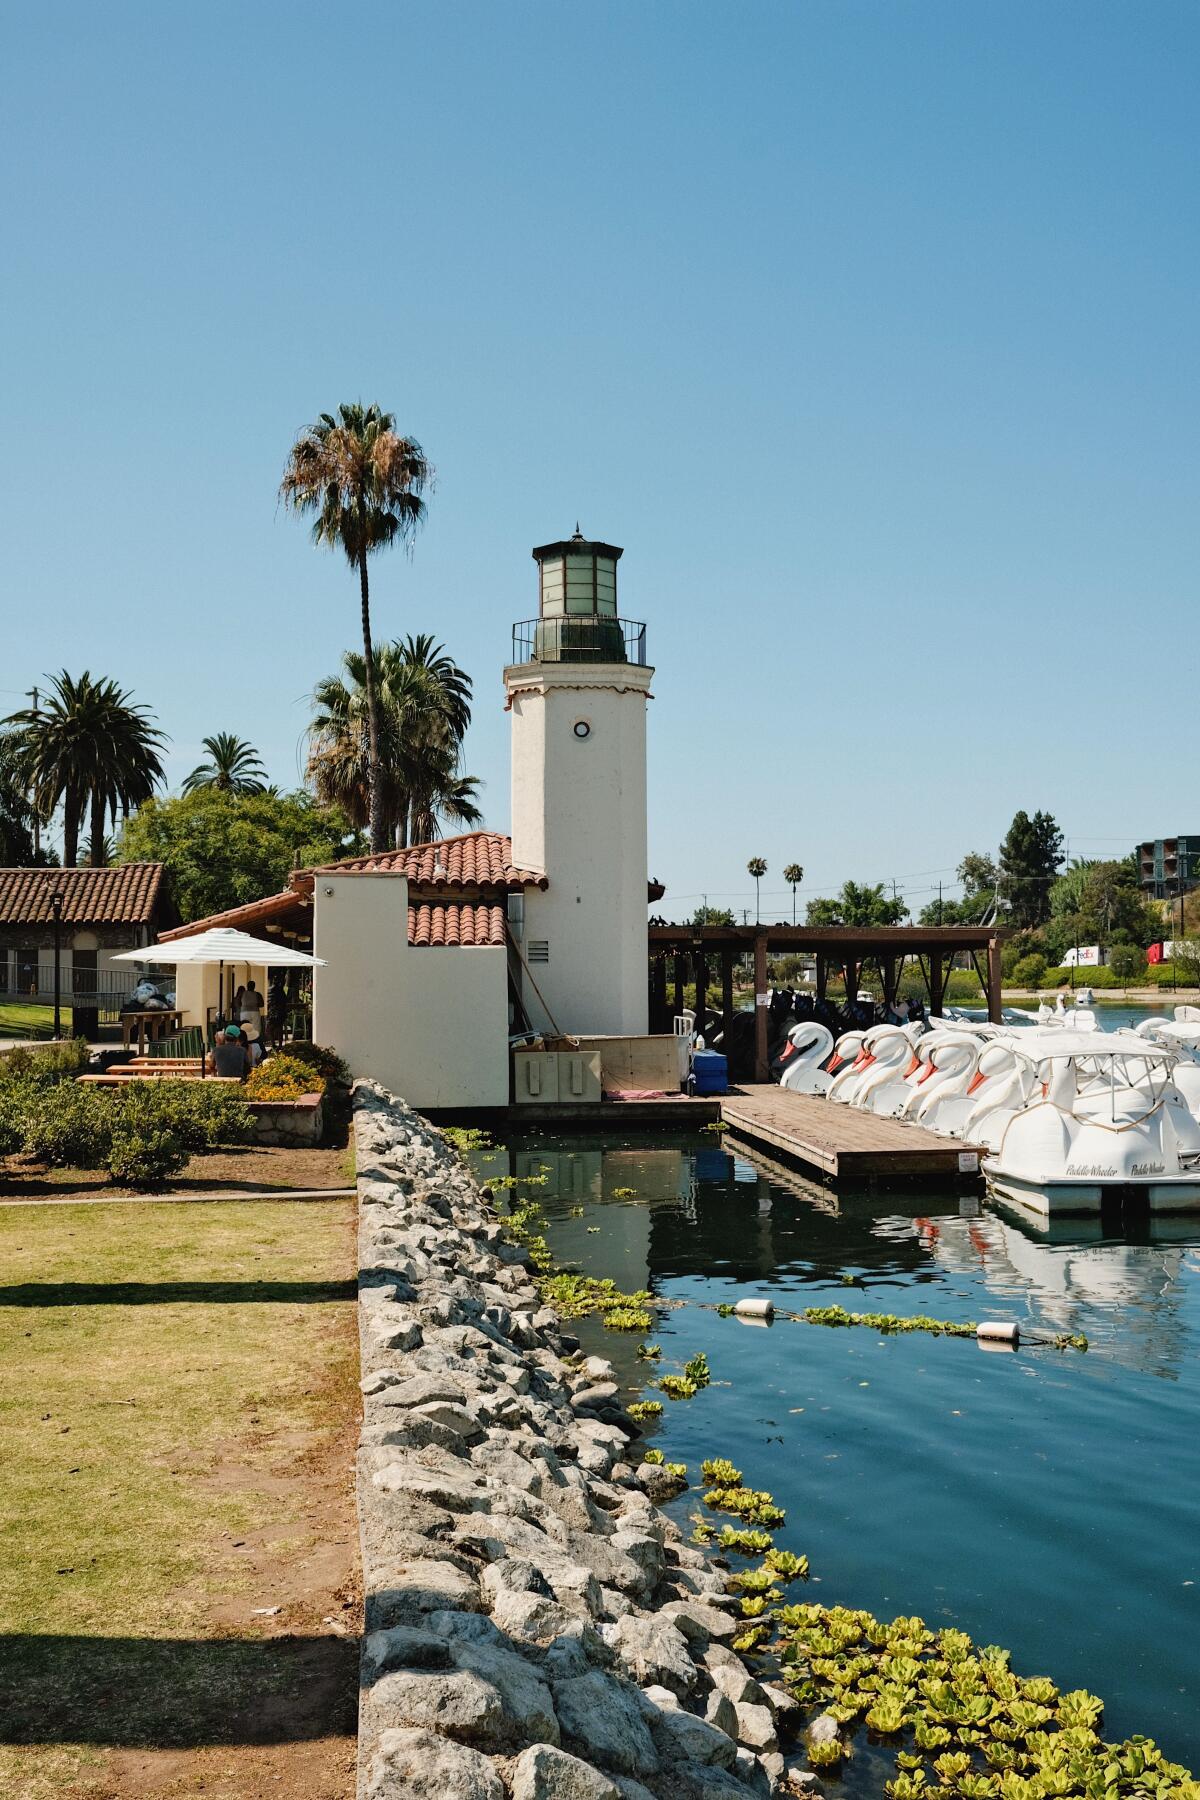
37, 825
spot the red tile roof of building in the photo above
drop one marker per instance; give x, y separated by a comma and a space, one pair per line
446, 923
479, 863
253, 912
476, 859
128, 895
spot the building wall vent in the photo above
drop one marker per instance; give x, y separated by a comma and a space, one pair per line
539, 950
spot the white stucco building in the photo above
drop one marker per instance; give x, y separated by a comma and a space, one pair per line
434, 955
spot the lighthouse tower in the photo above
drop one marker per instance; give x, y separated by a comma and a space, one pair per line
577, 690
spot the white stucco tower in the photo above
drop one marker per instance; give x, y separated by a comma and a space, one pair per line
577, 690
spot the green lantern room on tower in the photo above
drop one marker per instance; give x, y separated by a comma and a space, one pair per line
577, 608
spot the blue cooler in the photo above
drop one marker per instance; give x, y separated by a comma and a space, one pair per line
710, 1072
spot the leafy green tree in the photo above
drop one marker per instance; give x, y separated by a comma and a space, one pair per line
711, 915
793, 875
979, 876
16, 814
1100, 903
757, 866
1030, 858
87, 745
233, 765
858, 904
424, 706
223, 849
364, 483
1127, 962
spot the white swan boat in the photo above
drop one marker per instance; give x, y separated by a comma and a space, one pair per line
1109, 1126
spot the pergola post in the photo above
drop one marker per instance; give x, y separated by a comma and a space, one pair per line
701, 987
658, 993
762, 1067
679, 975
727, 994
822, 975
936, 984
994, 984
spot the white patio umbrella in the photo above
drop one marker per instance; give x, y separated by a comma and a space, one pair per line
221, 944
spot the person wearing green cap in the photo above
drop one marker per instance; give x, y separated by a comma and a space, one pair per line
229, 1053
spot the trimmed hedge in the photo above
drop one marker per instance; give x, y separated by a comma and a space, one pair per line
283, 1077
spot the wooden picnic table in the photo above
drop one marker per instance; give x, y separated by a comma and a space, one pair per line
156, 1023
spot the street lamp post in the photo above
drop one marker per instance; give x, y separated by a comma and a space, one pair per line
56, 906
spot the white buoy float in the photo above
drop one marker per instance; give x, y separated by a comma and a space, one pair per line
753, 1308
998, 1331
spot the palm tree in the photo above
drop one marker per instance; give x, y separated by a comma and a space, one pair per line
233, 767
364, 483
424, 705
757, 867
793, 875
88, 745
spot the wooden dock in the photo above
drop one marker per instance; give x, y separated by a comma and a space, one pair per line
839, 1141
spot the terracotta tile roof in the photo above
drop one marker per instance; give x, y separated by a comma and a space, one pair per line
455, 922
254, 912
476, 859
129, 895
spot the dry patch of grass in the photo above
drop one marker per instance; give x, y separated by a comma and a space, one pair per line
178, 1406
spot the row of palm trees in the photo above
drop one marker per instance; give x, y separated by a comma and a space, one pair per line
91, 750
386, 739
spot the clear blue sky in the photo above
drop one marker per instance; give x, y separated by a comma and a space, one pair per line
869, 330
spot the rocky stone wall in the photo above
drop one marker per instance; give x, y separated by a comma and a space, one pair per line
536, 1628
297, 1124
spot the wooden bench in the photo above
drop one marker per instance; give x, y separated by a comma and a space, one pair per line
114, 1078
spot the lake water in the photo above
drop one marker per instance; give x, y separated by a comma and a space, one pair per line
1044, 1500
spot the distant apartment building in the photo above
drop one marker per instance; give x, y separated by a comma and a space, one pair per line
1169, 866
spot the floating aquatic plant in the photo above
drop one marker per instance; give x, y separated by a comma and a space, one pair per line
627, 1318
624, 1193
725, 1310
887, 1322
646, 1409
754, 1505
466, 1138
651, 1456
695, 1376
826, 1753
646, 1352
720, 1472
784, 1566
731, 1537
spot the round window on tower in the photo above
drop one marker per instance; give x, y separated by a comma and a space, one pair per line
582, 729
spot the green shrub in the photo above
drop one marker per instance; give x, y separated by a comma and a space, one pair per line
1127, 962
12, 1123
1028, 973
70, 1127
325, 1061
283, 1078
1099, 979
204, 1113
143, 1155
46, 1066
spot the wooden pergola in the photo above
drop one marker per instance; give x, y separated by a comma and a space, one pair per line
842, 947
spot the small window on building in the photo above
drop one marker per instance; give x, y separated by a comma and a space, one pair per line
539, 950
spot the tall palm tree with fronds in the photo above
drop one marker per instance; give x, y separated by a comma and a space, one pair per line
757, 866
424, 702
88, 745
363, 482
793, 875
233, 767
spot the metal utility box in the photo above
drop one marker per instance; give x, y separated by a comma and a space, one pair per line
555, 1077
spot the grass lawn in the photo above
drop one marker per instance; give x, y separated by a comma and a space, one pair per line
178, 1410
19, 1017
